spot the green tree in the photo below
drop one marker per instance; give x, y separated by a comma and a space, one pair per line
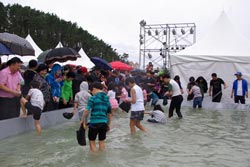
48, 29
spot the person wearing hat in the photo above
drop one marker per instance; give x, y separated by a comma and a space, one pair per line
10, 89
240, 89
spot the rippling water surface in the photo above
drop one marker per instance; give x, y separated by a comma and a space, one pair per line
202, 139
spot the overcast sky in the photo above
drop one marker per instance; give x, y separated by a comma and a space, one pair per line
117, 21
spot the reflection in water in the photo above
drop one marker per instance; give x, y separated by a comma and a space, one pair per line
203, 138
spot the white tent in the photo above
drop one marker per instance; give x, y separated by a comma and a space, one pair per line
223, 51
83, 61
34, 45
59, 45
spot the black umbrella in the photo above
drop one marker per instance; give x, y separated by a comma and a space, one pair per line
101, 63
61, 55
16, 44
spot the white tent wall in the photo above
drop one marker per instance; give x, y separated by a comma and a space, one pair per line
223, 51
224, 70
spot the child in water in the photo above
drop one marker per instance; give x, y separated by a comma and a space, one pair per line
112, 97
34, 105
157, 115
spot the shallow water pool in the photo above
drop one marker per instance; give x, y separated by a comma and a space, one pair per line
204, 138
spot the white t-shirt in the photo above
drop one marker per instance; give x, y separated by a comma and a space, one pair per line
175, 88
36, 98
139, 104
239, 90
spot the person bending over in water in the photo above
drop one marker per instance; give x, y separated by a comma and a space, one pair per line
157, 115
34, 105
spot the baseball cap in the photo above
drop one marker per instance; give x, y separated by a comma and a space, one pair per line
238, 73
83, 69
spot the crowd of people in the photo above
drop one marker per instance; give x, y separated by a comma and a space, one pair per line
96, 95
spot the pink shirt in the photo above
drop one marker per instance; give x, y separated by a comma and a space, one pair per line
124, 95
9, 80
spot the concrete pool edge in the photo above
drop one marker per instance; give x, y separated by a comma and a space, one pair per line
15, 126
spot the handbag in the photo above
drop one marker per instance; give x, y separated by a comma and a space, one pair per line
190, 97
125, 106
165, 100
80, 136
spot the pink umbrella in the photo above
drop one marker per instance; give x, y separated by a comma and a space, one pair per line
120, 66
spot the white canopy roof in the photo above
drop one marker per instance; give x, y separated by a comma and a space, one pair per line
83, 61
34, 45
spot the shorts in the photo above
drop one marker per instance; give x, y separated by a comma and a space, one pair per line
137, 115
36, 111
152, 120
99, 129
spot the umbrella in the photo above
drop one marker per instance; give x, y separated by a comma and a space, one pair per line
101, 63
120, 66
16, 44
4, 50
41, 57
61, 55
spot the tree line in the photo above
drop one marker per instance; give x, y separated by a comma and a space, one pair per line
48, 29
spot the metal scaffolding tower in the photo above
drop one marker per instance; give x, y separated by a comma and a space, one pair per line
159, 41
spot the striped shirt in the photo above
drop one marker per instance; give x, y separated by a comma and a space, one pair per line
99, 107
159, 116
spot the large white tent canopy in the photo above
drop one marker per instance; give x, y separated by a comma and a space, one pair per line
223, 51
